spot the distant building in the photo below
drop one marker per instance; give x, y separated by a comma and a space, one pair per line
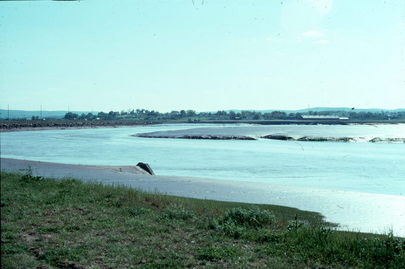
322, 117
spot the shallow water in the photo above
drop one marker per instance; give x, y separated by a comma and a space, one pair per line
364, 167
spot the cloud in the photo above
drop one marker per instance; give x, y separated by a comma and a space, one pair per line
312, 34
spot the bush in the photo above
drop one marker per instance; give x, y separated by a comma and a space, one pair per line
232, 230
250, 217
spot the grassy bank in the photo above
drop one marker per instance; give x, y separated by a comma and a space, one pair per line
69, 224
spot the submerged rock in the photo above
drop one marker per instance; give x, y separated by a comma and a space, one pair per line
344, 139
217, 137
310, 138
145, 167
278, 137
323, 139
389, 140
211, 137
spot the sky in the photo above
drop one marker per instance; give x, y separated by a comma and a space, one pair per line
206, 55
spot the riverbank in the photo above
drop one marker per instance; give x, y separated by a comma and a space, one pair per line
355, 211
39, 125
50, 124
50, 223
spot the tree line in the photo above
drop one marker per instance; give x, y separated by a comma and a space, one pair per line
191, 115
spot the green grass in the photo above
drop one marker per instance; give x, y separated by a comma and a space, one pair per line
49, 223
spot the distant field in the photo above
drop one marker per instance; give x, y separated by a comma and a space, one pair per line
49, 223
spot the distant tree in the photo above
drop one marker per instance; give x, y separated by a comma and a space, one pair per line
257, 115
90, 116
190, 113
112, 115
174, 115
102, 115
278, 115
71, 116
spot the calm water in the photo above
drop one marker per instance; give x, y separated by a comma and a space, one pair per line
357, 166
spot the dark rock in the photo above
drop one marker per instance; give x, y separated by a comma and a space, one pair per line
323, 139
389, 140
344, 139
278, 137
145, 167
309, 138
376, 139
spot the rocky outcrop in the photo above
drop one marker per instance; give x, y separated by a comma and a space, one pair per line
323, 139
145, 167
211, 137
309, 138
282, 137
390, 140
218, 137
278, 137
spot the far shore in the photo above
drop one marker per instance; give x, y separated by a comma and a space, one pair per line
355, 211
60, 124
27, 129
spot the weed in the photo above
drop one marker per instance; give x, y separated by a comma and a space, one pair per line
178, 212
212, 253
28, 177
232, 230
250, 217
294, 225
134, 212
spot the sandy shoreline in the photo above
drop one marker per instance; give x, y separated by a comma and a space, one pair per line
352, 210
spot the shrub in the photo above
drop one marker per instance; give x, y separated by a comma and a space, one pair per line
250, 217
232, 230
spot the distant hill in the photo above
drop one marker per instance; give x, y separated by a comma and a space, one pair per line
25, 114
318, 109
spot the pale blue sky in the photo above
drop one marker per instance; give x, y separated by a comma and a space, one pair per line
203, 55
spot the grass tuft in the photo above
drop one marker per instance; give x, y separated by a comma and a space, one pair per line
215, 253
248, 217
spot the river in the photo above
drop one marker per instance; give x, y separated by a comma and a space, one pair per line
355, 167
